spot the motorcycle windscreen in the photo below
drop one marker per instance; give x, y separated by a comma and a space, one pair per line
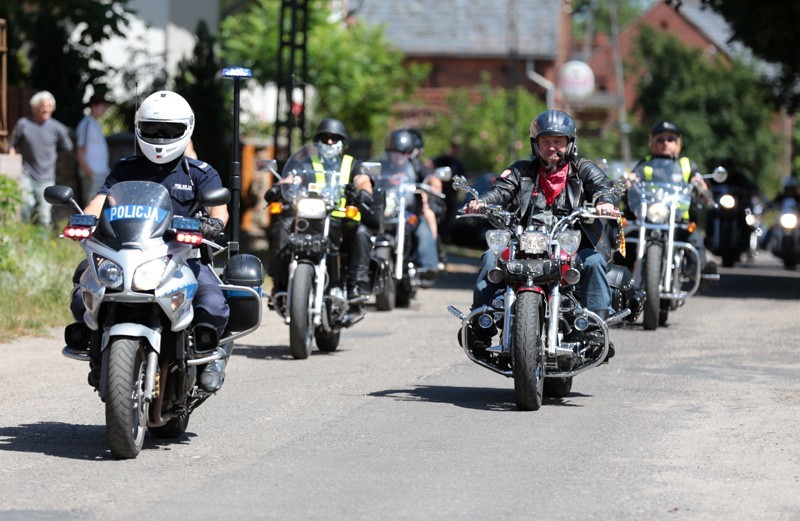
397, 175
665, 170
133, 213
309, 173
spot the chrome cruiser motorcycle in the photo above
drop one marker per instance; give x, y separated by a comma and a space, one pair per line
138, 291
667, 269
546, 336
316, 304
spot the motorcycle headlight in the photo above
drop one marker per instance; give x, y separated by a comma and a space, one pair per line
391, 206
311, 208
148, 275
750, 219
788, 221
109, 273
657, 213
727, 201
533, 242
497, 240
569, 241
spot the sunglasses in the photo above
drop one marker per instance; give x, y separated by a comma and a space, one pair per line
670, 139
329, 137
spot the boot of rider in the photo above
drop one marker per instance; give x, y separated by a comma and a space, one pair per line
213, 376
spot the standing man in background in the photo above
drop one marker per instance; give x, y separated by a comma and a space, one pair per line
92, 150
39, 141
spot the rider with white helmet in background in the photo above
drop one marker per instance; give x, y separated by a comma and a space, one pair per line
164, 125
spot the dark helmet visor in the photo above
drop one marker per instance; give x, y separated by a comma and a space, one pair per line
162, 129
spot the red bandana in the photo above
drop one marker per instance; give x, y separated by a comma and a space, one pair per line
552, 183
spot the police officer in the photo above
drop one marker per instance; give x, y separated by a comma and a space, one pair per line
330, 139
666, 164
164, 125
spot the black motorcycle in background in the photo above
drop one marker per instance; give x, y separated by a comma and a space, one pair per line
733, 224
784, 236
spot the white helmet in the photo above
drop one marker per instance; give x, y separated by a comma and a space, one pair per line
164, 125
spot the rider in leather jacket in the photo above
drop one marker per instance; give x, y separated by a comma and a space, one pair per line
553, 183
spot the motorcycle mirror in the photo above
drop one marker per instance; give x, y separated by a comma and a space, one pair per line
211, 197
445, 173
371, 168
62, 196
719, 175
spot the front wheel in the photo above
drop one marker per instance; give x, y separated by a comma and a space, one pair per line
528, 352
652, 280
385, 300
126, 408
301, 331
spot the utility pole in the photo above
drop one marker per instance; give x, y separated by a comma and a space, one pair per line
622, 108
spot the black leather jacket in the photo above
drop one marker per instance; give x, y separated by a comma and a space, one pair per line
584, 180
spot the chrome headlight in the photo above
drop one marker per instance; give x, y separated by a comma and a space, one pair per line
311, 208
148, 275
109, 273
569, 241
657, 213
789, 221
497, 240
750, 219
727, 201
533, 242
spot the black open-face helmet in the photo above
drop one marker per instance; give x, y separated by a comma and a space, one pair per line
665, 126
330, 128
402, 141
554, 123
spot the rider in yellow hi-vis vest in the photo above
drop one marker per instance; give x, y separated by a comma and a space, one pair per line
665, 164
351, 219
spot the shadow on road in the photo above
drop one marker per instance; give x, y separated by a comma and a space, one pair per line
771, 282
65, 440
479, 398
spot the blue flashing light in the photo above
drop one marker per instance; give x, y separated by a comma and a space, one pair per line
186, 224
82, 220
237, 72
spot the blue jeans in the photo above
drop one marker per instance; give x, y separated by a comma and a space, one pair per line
593, 289
426, 252
34, 207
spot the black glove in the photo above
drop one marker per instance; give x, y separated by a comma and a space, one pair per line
273, 195
211, 227
351, 194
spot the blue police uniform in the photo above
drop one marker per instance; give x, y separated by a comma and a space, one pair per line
184, 182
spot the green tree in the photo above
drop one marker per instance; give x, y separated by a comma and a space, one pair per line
53, 46
770, 31
722, 108
199, 81
358, 77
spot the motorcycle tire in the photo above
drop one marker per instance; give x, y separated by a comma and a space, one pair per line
653, 256
557, 387
403, 295
126, 407
327, 342
385, 301
729, 259
528, 352
301, 332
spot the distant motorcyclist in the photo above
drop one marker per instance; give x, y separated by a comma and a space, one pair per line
330, 139
666, 164
164, 124
550, 185
425, 255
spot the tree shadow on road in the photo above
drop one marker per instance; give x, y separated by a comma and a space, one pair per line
480, 398
70, 441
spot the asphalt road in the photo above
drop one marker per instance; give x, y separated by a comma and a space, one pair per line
697, 420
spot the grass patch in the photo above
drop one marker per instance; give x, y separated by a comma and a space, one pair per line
36, 270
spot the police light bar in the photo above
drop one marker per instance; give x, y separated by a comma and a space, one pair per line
186, 223
236, 72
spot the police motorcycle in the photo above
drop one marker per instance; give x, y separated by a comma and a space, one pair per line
397, 184
733, 224
546, 336
316, 304
784, 235
138, 292
668, 270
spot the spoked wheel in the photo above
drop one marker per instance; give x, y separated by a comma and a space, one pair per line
301, 331
385, 300
652, 280
126, 408
528, 352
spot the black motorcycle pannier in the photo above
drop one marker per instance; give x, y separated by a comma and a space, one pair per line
622, 286
243, 270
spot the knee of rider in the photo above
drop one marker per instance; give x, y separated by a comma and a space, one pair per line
210, 299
